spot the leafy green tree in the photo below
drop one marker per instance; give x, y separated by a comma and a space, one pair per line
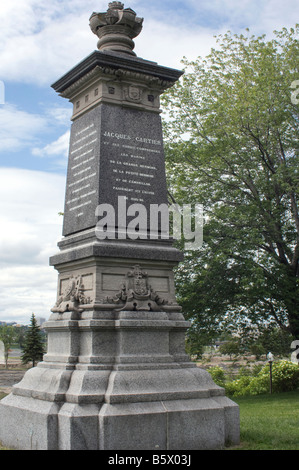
276, 341
20, 335
232, 347
7, 336
232, 145
258, 350
195, 342
33, 349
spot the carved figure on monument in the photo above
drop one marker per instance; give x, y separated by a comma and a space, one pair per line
137, 294
116, 28
72, 297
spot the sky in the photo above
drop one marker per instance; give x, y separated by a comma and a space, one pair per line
39, 42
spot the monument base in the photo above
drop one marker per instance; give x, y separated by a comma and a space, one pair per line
169, 425
144, 395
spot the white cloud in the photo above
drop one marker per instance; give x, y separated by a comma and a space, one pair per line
260, 16
57, 148
30, 229
19, 128
277, 14
161, 43
44, 54
30, 202
27, 290
61, 115
57, 34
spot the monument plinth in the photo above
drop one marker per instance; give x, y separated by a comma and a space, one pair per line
116, 375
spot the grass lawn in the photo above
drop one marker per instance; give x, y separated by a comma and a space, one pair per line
269, 422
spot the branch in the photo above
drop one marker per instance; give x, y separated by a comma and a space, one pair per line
265, 156
274, 314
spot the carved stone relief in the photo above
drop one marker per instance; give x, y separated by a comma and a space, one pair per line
133, 94
73, 297
136, 293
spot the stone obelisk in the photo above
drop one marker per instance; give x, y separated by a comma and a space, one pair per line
116, 376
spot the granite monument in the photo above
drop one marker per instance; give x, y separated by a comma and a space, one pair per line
116, 375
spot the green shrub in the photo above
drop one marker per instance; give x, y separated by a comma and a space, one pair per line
255, 381
238, 387
244, 371
218, 375
259, 385
285, 378
256, 369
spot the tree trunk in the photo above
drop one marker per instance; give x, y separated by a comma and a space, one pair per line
6, 359
292, 307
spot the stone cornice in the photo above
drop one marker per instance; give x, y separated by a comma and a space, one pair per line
109, 73
120, 64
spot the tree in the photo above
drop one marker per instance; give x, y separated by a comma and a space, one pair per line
232, 145
21, 333
33, 349
258, 350
231, 348
276, 341
195, 342
7, 336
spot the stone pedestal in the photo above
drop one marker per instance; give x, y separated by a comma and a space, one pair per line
118, 382
117, 379
116, 376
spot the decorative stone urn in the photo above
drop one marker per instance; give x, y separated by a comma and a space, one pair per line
116, 28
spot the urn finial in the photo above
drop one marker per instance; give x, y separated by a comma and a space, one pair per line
115, 6
116, 28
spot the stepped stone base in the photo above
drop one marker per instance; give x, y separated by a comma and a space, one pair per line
166, 421
132, 388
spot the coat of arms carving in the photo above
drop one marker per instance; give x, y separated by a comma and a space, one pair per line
133, 94
137, 294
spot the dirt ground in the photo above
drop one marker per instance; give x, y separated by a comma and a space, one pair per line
12, 375
8, 378
230, 365
16, 370
225, 361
